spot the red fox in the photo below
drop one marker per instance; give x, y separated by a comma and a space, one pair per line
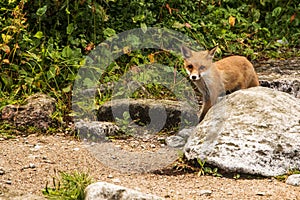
217, 79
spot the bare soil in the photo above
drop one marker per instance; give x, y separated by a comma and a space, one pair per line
29, 163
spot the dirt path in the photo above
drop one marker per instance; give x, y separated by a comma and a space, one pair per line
30, 162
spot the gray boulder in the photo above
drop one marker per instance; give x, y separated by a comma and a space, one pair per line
180, 139
107, 191
175, 141
95, 131
253, 131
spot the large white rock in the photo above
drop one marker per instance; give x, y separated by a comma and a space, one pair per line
107, 191
254, 131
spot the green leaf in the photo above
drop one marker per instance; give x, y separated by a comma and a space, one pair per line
126, 115
276, 12
70, 29
256, 15
67, 52
236, 176
137, 18
7, 80
39, 35
67, 89
133, 40
108, 32
6, 38
67, 11
76, 52
144, 27
262, 2
177, 25
29, 80
41, 11
88, 82
51, 72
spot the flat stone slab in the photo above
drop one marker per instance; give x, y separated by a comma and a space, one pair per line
288, 85
154, 114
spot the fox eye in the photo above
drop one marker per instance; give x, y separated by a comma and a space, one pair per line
202, 67
190, 66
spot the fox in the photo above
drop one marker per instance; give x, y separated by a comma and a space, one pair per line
216, 79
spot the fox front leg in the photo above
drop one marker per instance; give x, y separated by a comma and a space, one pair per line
205, 107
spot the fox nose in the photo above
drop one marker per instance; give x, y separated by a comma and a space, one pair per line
194, 77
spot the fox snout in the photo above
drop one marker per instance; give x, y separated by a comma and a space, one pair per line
194, 77
192, 72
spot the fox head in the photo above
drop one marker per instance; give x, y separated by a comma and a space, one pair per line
197, 63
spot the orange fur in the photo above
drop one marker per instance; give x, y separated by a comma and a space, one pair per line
216, 79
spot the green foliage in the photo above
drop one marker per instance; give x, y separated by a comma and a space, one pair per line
250, 28
244, 27
236, 176
7, 131
207, 170
44, 43
69, 186
33, 62
124, 123
285, 176
197, 165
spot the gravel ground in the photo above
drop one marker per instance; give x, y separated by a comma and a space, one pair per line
28, 163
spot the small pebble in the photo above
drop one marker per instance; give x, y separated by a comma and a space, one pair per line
293, 180
110, 176
48, 161
116, 180
260, 193
205, 192
31, 165
37, 147
9, 182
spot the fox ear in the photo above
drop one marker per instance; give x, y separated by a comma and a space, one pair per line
212, 52
186, 52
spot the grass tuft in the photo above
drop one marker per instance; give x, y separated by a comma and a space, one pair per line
68, 186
